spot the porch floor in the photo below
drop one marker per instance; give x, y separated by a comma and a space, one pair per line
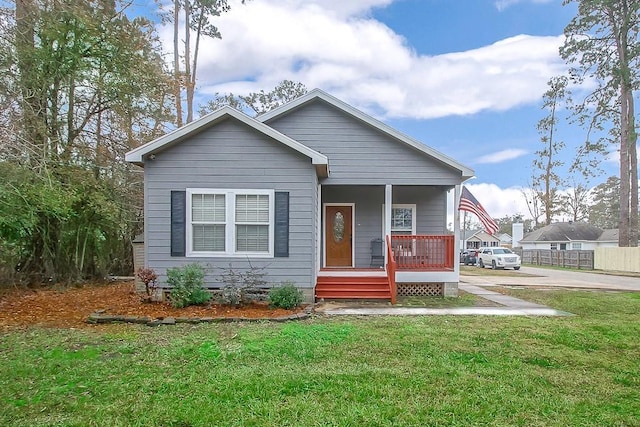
336, 271
347, 271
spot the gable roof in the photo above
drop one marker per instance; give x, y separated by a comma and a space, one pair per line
609, 235
564, 232
137, 155
469, 234
317, 94
504, 237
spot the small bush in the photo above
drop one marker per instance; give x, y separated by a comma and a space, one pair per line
187, 283
285, 296
241, 285
231, 296
149, 277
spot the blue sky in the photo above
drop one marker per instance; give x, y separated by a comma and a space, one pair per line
465, 77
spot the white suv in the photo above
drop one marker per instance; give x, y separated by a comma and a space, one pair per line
498, 258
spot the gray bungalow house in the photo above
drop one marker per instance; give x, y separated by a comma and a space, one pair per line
315, 192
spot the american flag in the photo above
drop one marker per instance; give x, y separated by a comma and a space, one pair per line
471, 204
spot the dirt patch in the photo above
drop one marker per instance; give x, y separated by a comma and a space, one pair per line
70, 307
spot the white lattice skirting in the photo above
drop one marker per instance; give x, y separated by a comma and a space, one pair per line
420, 289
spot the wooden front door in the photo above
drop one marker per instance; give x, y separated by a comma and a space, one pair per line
338, 236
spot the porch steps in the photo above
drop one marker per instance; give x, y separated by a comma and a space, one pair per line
368, 287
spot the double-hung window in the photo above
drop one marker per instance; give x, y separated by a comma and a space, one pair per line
230, 222
208, 222
252, 223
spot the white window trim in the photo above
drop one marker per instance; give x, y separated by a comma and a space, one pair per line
402, 206
410, 250
230, 223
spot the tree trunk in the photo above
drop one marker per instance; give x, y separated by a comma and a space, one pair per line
187, 61
631, 173
176, 62
547, 177
32, 92
628, 231
623, 223
633, 168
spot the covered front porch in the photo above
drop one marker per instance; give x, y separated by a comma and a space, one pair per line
381, 241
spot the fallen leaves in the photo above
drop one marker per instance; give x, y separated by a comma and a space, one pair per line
70, 307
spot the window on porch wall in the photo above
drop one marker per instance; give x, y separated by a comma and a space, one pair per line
402, 219
403, 223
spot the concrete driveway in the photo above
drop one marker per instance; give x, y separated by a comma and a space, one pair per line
531, 276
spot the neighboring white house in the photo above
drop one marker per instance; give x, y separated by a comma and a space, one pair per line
570, 236
473, 239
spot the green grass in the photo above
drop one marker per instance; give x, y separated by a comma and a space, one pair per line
583, 270
462, 300
582, 370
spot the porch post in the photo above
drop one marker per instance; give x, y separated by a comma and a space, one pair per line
319, 235
388, 200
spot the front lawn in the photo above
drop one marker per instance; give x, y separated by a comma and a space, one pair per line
442, 370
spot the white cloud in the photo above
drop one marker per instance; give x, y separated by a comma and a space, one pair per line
503, 4
337, 46
499, 202
614, 155
344, 8
501, 156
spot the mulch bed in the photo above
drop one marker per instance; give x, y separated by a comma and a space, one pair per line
70, 307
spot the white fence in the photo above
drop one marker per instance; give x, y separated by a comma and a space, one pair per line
617, 259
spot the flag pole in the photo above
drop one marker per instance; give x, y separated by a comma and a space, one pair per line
464, 230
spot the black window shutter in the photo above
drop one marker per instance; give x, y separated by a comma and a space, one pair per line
281, 228
178, 222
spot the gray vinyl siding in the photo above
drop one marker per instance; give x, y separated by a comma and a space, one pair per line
431, 212
431, 207
368, 216
359, 153
232, 155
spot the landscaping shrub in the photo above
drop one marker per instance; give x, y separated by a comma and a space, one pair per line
188, 286
149, 277
285, 296
231, 295
241, 285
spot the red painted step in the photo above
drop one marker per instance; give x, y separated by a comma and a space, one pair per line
333, 287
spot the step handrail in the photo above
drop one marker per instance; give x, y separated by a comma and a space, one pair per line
391, 270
